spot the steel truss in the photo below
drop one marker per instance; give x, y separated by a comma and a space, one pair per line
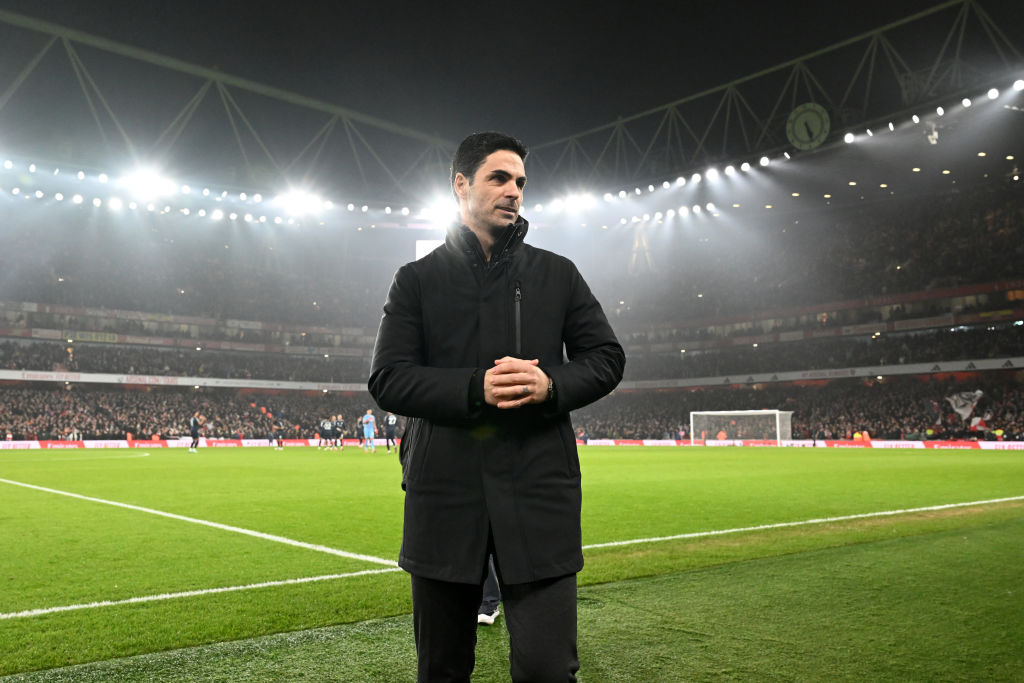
949, 50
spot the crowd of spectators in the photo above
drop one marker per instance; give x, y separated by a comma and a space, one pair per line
46, 413
339, 277
839, 352
893, 409
900, 408
137, 360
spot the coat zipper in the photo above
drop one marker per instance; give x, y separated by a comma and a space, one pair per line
519, 329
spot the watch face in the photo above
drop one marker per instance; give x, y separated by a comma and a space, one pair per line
808, 126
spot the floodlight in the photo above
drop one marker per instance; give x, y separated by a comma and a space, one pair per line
557, 205
102, 177
217, 214
405, 210
242, 196
671, 213
1018, 85
31, 168
608, 196
695, 178
364, 208
8, 165
15, 191
966, 102
745, 167
233, 216
80, 175
148, 183
115, 204
39, 194
185, 212
185, 189
710, 207
711, 174
993, 93
891, 126
696, 208
915, 118
680, 181
870, 134
97, 202
299, 202
666, 184
647, 217
730, 170
622, 194
637, 190
848, 138
59, 197
202, 213
684, 210
650, 188
764, 161
940, 111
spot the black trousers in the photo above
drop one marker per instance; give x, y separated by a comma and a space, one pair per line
540, 617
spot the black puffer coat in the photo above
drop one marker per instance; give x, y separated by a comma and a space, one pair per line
468, 467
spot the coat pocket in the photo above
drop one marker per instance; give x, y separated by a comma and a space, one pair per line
412, 449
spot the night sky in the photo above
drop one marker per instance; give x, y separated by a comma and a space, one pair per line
538, 70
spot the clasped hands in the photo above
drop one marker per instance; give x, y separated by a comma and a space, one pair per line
514, 382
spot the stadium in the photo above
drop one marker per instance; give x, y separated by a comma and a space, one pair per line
812, 469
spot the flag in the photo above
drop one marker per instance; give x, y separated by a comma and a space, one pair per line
963, 402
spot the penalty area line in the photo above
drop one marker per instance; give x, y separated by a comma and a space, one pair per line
190, 594
805, 522
214, 525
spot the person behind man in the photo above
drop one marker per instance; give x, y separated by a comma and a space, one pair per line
194, 425
279, 428
369, 431
470, 350
391, 430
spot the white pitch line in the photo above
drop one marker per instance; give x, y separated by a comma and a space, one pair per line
780, 525
190, 594
215, 525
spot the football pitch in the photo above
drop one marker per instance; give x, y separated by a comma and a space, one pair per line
701, 564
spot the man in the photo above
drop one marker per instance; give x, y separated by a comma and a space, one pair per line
326, 432
339, 432
390, 430
470, 350
194, 424
369, 431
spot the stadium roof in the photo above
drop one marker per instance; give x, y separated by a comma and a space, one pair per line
120, 84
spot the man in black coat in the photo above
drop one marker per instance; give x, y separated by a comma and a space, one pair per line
486, 345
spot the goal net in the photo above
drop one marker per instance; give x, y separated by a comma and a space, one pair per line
759, 425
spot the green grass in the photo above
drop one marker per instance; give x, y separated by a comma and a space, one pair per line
893, 595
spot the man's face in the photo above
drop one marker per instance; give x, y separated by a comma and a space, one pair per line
493, 199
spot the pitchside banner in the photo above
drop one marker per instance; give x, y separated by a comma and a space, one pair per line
292, 443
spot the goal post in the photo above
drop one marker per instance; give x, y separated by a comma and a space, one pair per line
761, 425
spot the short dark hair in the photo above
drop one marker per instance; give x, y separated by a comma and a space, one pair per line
475, 148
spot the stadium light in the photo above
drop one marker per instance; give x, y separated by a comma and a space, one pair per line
993, 93
966, 102
764, 161
1018, 85
940, 111
711, 174
147, 183
298, 202
848, 138
695, 178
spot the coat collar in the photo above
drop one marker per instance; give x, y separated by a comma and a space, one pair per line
463, 240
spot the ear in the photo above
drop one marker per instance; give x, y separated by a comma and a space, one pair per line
461, 186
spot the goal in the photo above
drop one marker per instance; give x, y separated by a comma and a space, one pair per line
758, 425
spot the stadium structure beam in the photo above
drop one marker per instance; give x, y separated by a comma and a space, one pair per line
157, 59
366, 133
